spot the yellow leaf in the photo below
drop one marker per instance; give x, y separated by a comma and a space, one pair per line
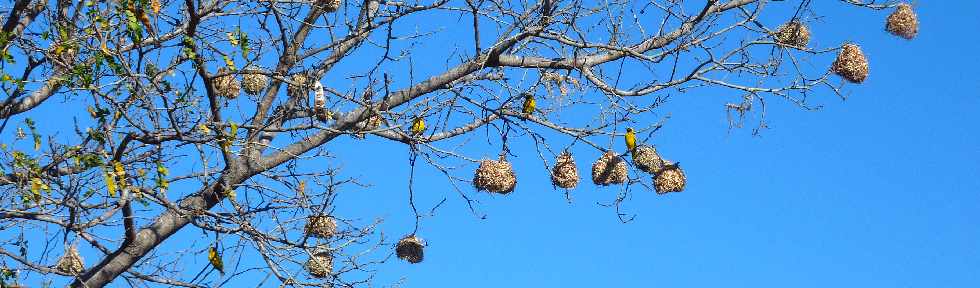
301, 188
155, 6
204, 129
36, 186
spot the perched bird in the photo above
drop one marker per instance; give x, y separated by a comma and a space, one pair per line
418, 126
529, 104
630, 139
215, 260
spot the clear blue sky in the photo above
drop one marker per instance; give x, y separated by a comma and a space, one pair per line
880, 190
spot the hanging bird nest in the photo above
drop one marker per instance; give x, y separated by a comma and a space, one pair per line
254, 83
851, 64
903, 22
320, 265
609, 169
410, 249
321, 226
793, 33
225, 86
496, 176
565, 174
297, 89
329, 5
647, 159
71, 263
670, 179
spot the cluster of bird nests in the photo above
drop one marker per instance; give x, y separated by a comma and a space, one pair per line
565, 174
320, 265
496, 176
851, 64
225, 85
297, 89
321, 226
609, 169
793, 33
71, 263
670, 179
903, 22
254, 83
647, 159
410, 249
329, 5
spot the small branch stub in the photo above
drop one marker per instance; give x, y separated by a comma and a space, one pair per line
410, 249
851, 64
609, 169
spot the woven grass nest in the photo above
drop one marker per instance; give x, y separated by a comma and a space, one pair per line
647, 159
321, 226
793, 33
297, 88
410, 249
903, 22
226, 86
71, 263
609, 169
320, 265
496, 176
670, 179
565, 173
851, 64
254, 83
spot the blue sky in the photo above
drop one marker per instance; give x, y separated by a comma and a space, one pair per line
879, 190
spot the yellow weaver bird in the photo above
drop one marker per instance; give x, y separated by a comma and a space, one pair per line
215, 260
418, 126
529, 104
630, 139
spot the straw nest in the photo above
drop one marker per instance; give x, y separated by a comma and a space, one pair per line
851, 64
903, 22
320, 265
496, 176
410, 249
565, 174
329, 5
670, 179
647, 159
254, 83
321, 226
793, 33
225, 86
71, 263
609, 169
297, 88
